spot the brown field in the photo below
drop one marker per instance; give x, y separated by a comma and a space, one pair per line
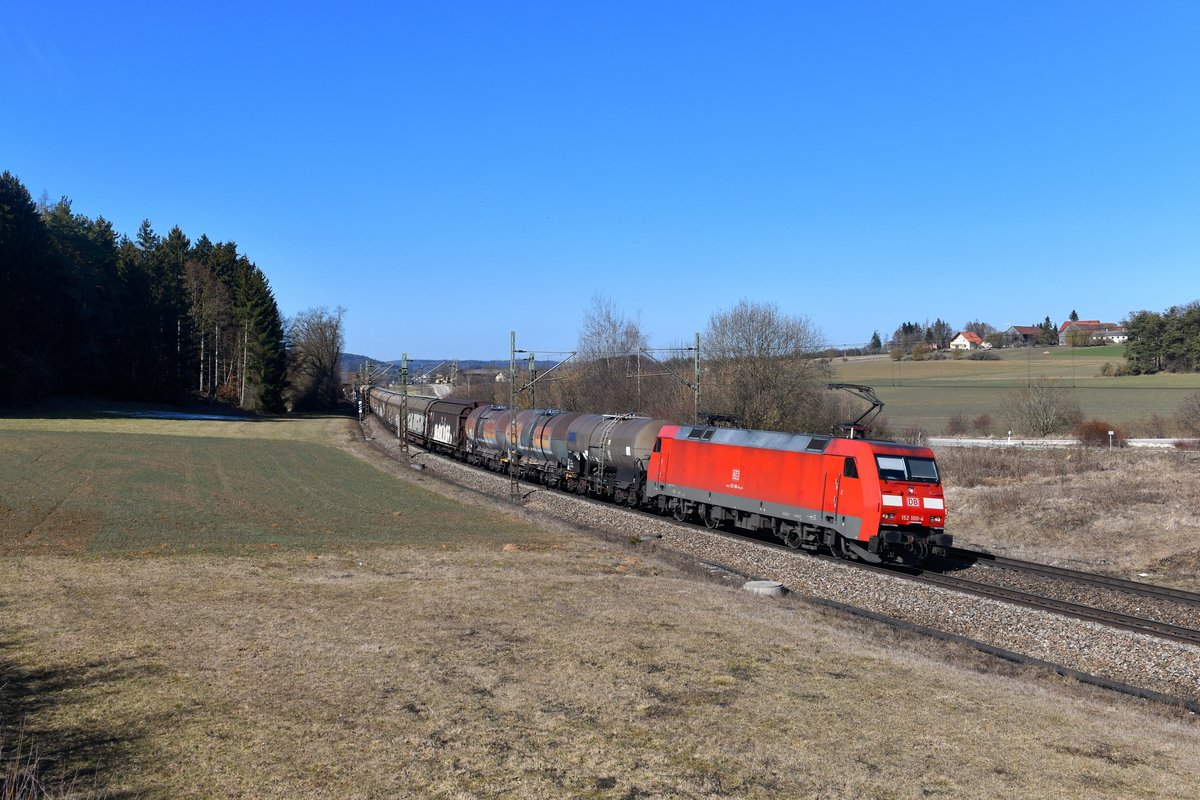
172, 628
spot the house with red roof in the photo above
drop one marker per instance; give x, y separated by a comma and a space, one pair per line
967, 340
1091, 331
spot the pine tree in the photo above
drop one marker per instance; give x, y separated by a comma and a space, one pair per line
87, 311
266, 357
26, 285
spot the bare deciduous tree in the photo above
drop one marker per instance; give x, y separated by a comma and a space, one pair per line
314, 353
762, 368
1188, 414
1044, 407
609, 343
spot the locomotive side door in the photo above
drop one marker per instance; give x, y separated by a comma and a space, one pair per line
849, 493
831, 480
660, 456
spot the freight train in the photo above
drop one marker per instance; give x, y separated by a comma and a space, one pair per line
861, 499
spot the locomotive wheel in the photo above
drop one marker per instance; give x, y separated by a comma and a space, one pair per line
792, 540
678, 513
710, 521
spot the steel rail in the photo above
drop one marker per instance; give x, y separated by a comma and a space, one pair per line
1162, 630
1107, 581
1083, 677
1114, 619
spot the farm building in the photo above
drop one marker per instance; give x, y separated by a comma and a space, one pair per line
1091, 331
967, 340
1022, 335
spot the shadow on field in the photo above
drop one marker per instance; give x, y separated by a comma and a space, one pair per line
212, 412
82, 755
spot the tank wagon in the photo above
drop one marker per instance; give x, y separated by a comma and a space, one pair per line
859, 498
599, 454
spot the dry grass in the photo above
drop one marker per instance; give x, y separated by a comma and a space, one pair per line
470, 664
559, 670
1123, 511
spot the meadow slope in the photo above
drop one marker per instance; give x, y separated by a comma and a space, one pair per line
199, 609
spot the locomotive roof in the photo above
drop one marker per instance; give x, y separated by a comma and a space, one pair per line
770, 440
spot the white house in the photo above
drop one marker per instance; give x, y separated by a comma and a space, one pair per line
967, 340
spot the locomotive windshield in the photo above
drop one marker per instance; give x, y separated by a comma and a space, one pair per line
907, 468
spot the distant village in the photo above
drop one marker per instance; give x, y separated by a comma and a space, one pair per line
1073, 333
1076, 333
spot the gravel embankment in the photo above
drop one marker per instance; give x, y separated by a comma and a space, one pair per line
1111, 599
1137, 659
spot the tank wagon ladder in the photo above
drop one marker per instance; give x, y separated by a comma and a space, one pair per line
514, 479
605, 433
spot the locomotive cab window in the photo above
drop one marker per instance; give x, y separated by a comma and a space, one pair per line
922, 469
907, 468
658, 445
850, 470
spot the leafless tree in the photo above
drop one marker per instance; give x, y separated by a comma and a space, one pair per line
979, 328
314, 353
762, 368
1188, 414
602, 379
1044, 407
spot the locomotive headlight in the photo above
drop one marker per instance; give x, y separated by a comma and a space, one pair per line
889, 516
935, 519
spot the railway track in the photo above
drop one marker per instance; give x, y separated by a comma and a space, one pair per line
1103, 616
1158, 628
1157, 668
1075, 576
1163, 629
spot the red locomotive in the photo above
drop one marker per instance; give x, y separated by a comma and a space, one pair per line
860, 498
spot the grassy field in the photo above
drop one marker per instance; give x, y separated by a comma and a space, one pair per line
74, 490
209, 609
927, 393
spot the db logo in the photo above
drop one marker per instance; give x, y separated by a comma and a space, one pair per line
737, 475
913, 501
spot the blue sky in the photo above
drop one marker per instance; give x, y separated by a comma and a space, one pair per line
449, 172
